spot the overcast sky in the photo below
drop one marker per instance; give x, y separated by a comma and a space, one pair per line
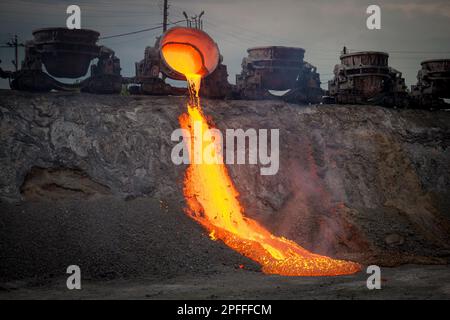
412, 31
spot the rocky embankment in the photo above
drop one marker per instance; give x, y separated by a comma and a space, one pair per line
357, 182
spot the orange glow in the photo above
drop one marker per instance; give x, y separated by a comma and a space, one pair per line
213, 201
183, 58
189, 51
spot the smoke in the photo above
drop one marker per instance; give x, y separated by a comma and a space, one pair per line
309, 216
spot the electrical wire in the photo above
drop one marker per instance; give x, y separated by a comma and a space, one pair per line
138, 31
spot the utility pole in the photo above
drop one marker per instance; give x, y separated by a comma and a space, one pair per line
14, 43
16, 53
165, 15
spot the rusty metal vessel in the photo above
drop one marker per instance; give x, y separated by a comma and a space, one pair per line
67, 54
277, 67
433, 84
280, 69
366, 78
152, 71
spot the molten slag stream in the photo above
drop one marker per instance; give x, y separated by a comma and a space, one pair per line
213, 201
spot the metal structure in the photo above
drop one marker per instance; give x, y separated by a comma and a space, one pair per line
194, 21
5, 74
67, 54
278, 69
152, 71
366, 78
433, 85
149, 75
361, 77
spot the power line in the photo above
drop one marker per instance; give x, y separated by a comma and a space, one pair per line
248, 35
240, 30
14, 43
139, 31
134, 39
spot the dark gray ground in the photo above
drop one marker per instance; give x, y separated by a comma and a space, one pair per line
144, 249
407, 282
108, 238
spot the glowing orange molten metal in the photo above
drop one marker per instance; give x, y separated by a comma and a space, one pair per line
213, 200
